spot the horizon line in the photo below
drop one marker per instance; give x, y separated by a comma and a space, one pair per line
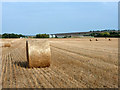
61, 32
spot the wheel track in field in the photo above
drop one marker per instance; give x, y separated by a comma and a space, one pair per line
8, 72
6, 78
3, 67
4, 70
11, 72
14, 74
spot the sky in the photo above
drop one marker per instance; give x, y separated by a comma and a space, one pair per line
30, 18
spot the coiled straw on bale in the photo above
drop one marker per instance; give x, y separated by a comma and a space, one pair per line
38, 53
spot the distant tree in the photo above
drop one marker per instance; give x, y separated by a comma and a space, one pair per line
5, 35
106, 34
12, 35
92, 34
42, 35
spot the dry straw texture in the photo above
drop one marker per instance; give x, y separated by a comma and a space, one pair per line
38, 53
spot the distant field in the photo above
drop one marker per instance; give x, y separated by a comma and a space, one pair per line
76, 63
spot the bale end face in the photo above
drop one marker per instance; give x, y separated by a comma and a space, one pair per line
38, 53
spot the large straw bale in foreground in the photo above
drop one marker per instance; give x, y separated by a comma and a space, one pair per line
38, 53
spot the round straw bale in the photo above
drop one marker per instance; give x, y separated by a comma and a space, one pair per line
38, 53
6, 45
90, 39
109, 39
96, 39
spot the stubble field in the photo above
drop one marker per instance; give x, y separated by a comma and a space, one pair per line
75, 63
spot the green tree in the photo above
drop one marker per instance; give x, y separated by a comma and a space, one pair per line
106, 34
42, 35
12, 35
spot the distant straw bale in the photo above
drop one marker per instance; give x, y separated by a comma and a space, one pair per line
38, 53
109, 39
96, 39
6, 45
90, 39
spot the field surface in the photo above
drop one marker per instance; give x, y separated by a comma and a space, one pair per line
75, 63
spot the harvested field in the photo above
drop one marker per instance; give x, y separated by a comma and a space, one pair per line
75, 63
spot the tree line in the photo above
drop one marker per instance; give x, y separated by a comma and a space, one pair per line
106, 34
42, 36
12, 35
